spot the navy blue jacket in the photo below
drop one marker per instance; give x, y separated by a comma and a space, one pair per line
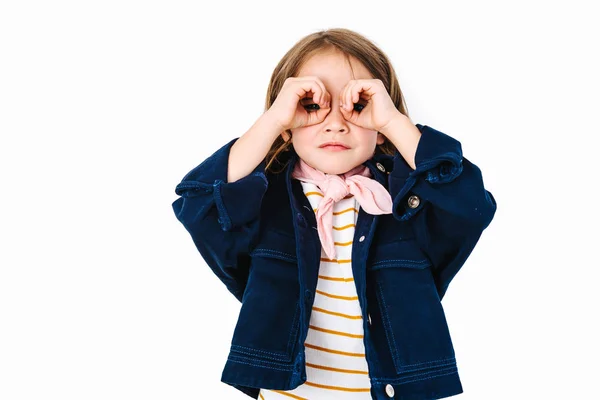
258, 235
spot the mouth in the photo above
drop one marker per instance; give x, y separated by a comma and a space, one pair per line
334, 146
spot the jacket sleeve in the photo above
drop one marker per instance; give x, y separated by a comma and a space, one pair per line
222, 218
451, 208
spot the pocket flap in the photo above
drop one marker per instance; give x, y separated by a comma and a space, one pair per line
275, 245
401, 253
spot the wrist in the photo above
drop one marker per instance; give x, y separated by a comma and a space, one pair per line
271, 120
395, 124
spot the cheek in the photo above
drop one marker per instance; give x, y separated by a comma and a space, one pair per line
303, 135
370, 137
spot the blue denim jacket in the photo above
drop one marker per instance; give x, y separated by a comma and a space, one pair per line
258, 235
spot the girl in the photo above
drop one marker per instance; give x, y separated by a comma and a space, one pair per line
339, 225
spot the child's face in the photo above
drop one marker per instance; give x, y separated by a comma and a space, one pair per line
333, 70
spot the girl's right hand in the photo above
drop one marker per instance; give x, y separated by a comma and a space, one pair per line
301, 102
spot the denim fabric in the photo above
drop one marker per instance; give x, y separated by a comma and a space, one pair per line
258, 235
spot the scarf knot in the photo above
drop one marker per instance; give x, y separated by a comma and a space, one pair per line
369, 193
335, 186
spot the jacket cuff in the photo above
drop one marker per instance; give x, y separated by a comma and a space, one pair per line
438, 160
238, 202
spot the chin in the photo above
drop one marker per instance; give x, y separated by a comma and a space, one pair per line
334, 169
332, 165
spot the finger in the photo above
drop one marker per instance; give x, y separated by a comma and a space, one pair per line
342, 96
324, 97
367, 90
354, 93
321, 94
347, 95
307, 85
360, 91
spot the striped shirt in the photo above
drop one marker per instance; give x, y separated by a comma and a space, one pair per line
336, 367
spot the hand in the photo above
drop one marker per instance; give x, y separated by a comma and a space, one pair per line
289, 109
376, 108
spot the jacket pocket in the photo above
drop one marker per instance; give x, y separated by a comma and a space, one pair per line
406, 312
268, 323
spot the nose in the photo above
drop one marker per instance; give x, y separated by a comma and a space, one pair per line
335, 121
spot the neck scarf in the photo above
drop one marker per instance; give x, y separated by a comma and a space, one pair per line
369, 193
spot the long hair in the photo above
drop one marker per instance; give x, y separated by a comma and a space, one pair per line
350, 43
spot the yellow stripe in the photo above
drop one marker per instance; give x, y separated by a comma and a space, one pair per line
352, 335
335, 261
342, 244
337, 313
343, 227
343, 353
346, 210
346, 371
337, 387
314, 193
334, 296
330, 278
261, 396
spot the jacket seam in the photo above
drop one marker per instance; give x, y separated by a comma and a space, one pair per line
431, 375
275, 253
224, 218
441, 361
425, 367
260, 363
294, 330
401, 263
276, 356
391, 341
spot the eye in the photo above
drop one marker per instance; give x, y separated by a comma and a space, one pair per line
360, 107
308, 109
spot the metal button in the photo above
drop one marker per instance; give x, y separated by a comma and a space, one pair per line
380, 167
362, 238
413, 201
389, 390
369, 315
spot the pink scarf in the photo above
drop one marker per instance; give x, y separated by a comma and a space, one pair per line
370, 194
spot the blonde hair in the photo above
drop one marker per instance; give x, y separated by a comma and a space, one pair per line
350, 43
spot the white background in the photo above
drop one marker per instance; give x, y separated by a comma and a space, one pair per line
105, 106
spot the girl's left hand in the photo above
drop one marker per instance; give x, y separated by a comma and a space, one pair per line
375, 107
